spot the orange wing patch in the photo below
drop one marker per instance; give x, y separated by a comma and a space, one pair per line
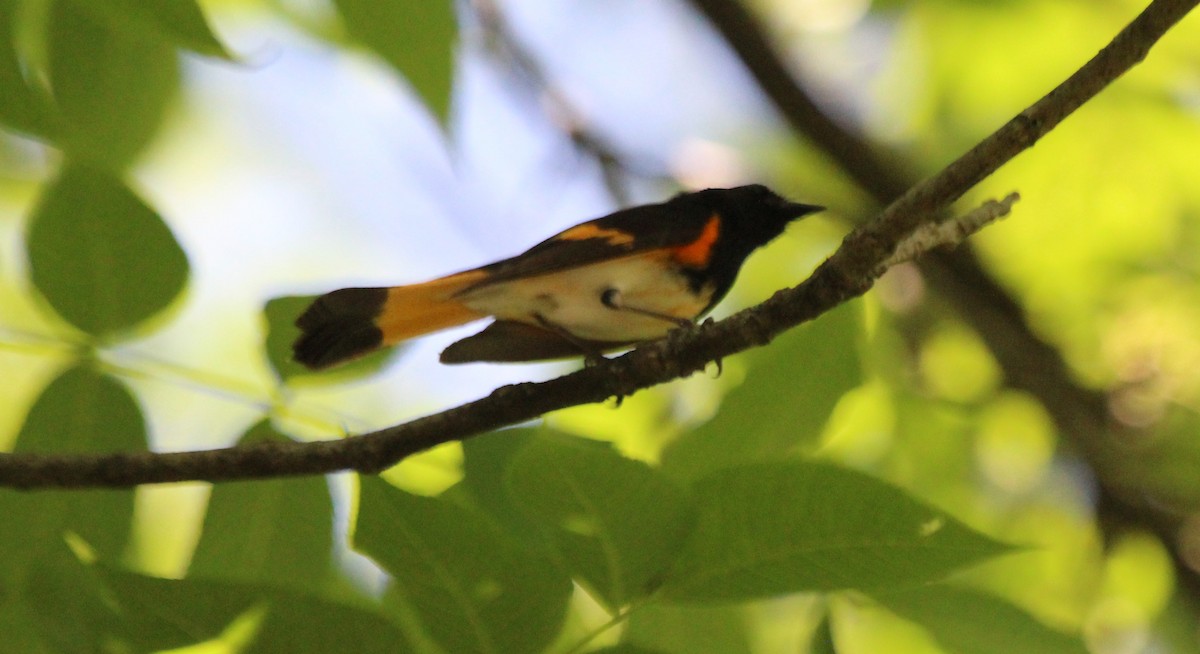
697, 253
589, 231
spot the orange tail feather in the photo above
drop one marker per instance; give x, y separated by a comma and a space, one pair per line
350, 322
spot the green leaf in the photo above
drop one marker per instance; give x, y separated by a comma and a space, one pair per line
26, 106
180, 22
967, 621
416, 38
280, 314
18, 623
112, 88
486, 460
132, 612
617, 523
80, 411
675, 629
770, 529
473, 589
278, 531
822, 641
305, 624
626, 648
64, 603
790, 390
103, 259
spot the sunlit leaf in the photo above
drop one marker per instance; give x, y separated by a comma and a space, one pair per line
180, 22
80, 411
277, 531
684, 629
281, 314
790, 390
416, 38
617, 523
103, 259
473, 589
970, 622
775, 528
111, 87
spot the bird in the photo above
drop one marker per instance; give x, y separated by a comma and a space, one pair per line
603, 285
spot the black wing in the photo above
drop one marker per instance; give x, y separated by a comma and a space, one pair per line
507, 341
625, 232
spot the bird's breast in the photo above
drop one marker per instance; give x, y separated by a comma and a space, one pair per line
572, 299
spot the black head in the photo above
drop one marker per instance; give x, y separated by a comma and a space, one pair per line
753, 215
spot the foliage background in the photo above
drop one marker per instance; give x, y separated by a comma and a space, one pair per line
171, 174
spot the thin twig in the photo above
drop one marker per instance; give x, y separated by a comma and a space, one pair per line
930, 236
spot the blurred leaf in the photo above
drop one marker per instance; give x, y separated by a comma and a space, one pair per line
180, 22
104, 259
278, 531
771, 529
1167, 466
617, 523
473, 589
26, 106
686, 629
790, 390
626, 648
956, 365
486, 460
416, 38
18, 623
822, 639
305, 624
65, 604
131, 612
112, 88
1178, 624
281, 314
80, 411
970, 622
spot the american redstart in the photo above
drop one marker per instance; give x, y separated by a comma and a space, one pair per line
603, 285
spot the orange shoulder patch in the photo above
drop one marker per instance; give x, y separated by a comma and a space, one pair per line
697, 253
589, 231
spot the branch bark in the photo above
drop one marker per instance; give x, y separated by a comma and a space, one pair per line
849, 272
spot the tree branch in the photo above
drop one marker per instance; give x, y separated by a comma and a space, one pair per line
849, 272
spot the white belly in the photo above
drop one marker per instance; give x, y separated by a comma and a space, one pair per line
571, 300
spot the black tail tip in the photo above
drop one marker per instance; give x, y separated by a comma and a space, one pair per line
339, 326
336, 342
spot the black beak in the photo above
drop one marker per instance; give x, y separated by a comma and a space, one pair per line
796, 209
